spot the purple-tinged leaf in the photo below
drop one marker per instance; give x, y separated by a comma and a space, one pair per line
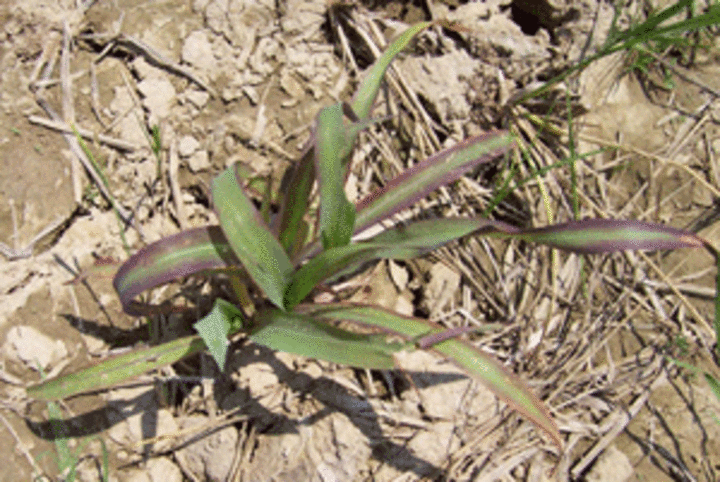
249, 237
171, 258
420, 180
477, 364
608, 235
295, 193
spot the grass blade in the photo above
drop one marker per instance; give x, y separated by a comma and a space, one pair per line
423, 178
257, 249
402, 242
171, 258
476, 363
337, 214
368, 90
301, 335
608, 235
299, 181
116, 370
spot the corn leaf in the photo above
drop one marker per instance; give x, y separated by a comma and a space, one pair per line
337, 214
249, 237
302, 335
116, 370
170, 258
477, 364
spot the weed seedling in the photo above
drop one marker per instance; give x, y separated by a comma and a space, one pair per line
294, 254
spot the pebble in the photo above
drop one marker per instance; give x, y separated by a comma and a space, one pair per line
197, 51
163, 470
199, 161
197, 98
187, 146
210, 457
612, 466
158, 97
33, 348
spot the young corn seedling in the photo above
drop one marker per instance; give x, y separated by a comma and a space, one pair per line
288, 258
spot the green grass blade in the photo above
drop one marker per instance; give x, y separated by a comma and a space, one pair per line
477, 364
368, 90
252, 242
337, 214
301, 335
402, 242
170, 258
116, 370
647, 31
66, 460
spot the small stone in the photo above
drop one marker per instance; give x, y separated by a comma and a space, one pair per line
716, 146
137, 476
163, 470
611, 466
158, 97
199, 161
197, 51
207, 458
187, 146
198, 98
33, 348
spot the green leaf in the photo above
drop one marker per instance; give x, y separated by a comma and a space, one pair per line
337, 214
260, 253
215, 327
503, 383
301, 335
368, 90
402, 242
299, 180
116, 370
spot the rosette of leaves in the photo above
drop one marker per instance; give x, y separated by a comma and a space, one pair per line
288, 258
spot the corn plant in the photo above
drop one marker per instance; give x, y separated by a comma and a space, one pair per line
289, 257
